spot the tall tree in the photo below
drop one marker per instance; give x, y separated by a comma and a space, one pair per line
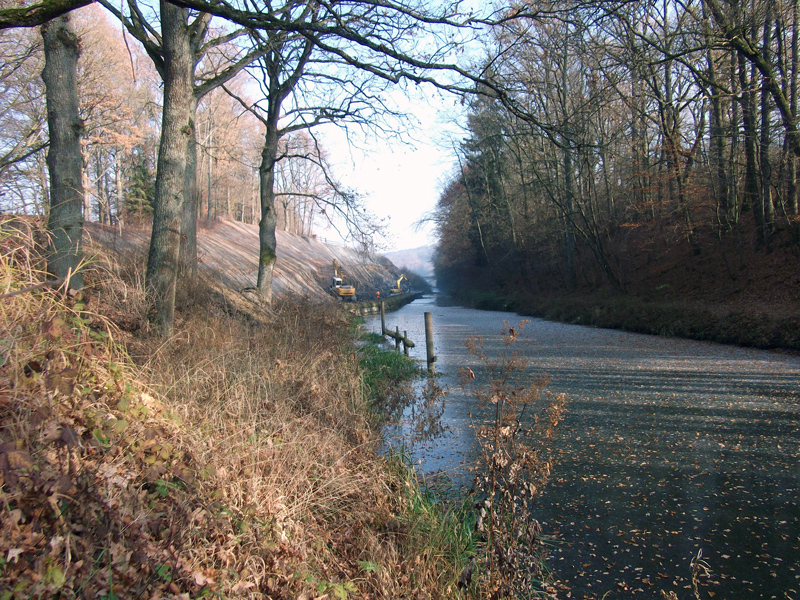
281, 68
176, 51
223, 60
767, 207
115, 102
22, 112
65, 220
791, 189
302, 88
176, 132
740, 35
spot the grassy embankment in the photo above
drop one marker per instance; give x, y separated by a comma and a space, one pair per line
235, 459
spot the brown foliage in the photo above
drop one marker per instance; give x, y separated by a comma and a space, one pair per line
234, 459
519, 417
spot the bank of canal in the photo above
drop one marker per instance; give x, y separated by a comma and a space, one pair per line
668, 447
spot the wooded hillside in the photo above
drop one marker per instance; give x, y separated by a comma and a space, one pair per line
650, 153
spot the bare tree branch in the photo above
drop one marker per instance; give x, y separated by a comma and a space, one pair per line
38, 14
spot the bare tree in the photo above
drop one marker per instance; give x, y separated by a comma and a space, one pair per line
177, 52
302, 88
741, 37
22, 114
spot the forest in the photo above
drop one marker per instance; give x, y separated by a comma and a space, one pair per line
602, 137
651, 151
171, 116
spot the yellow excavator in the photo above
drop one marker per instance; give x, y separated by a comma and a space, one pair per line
398, 288
338, 288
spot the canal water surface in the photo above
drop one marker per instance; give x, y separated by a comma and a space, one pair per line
668, 448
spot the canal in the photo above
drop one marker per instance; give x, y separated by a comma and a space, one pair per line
668, 448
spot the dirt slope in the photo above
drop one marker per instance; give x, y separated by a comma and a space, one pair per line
229, 250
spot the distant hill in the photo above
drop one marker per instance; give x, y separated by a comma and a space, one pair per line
419, 260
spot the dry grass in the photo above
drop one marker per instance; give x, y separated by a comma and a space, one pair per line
234, 459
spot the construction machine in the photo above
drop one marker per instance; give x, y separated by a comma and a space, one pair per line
398, 288
338, 288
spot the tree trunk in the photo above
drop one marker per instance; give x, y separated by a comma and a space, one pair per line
717, 134
176, 131
41, 171
253, 203
210, 143
190, 210
64, 160
569, 233
103, 208
791, 191
734, 200
269, 218
750, 193
120, 201
86, 182
610, 208
768, 208
569, 194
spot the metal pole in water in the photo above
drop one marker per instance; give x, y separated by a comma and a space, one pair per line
429, 341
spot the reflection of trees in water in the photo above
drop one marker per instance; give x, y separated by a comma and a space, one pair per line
414, 413
425, 419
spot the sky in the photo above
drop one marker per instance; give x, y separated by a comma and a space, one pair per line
403, 181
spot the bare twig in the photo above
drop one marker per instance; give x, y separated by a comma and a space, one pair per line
48, 283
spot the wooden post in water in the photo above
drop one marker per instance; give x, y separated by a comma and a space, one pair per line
397, 338
383, 319
405, 345
429, 342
